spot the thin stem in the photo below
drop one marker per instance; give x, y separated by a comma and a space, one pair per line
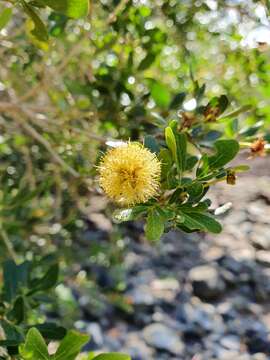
213, 182
236, 112
8, 244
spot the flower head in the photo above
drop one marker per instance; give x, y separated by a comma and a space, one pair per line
129, 174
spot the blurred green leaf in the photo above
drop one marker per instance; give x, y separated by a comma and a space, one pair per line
48, 281
5, 17
160, 94
39, 31
191, 161
251, 130
178, 100
151, 143
15, 277
146, 61
71, 8
158, 120
112, 356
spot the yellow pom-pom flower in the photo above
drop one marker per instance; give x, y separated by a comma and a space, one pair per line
130, 174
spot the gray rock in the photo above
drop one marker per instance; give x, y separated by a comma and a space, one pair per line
231, 264
206, 282
263, 257
224, 354
260, 237
231, 342
162, 337
259, 356
95, 331
199, 319
141, 295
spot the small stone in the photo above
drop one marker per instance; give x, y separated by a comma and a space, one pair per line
162, 337
224, 354
136, 347
206, 282
227, 311
165, 289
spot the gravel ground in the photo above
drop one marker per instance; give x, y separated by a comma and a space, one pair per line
201, 297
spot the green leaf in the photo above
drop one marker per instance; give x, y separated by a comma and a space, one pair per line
160, 94
178, 100
151, 143
13, 334
232, 127
17, 314
147, 61
39, 31
191, 161
15, 277
70, 346
181, 143
48, 281
199, 91
171, 142
165, 157
155, 224
5, 16
203, 222
51, 331
195, 191
251, 130
112, 356
72, 8
226, 150
35, 347
223, 103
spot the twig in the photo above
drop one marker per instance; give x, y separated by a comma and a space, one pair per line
13, 108
32, 131
236, 112
112, 18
